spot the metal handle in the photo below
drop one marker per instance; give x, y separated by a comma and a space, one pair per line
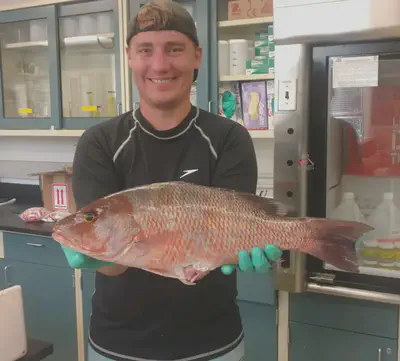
35, 244
380, 354
5, 275
209, 105
119, 108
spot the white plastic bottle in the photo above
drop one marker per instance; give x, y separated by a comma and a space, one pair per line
348, 210
386, 220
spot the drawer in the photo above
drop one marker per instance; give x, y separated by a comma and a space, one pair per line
34, 249
365, 317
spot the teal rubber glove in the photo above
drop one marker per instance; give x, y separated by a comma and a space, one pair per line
259, 260
79, 260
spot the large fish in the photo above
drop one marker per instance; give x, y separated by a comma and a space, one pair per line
184, 231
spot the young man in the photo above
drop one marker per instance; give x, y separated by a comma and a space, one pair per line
137, 315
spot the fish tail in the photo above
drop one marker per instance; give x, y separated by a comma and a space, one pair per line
335, 242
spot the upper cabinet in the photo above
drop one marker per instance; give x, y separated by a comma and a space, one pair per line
65, 65
60, 66
89, 63
28, 55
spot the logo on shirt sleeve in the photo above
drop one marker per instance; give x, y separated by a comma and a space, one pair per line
187, 172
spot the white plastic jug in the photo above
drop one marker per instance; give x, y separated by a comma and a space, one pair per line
386, 220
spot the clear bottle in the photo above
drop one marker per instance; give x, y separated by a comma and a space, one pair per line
386, 220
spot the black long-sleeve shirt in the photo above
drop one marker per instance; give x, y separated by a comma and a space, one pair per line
139, 315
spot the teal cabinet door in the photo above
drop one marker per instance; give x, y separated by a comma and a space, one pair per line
2, 274
49, 305
29, 83
88, 287
309, 342
260, 331
200, 11
256, 287
90, 62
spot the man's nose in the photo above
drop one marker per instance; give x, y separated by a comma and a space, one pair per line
160, 61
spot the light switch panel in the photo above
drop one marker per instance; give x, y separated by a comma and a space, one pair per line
287, 94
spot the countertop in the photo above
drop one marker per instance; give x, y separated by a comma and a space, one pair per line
10, 221
37, 350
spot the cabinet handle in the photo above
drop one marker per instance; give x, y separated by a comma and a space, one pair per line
5, 275
209, 106
380, 354
35, 244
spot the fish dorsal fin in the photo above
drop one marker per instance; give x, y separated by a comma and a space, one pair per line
270, 206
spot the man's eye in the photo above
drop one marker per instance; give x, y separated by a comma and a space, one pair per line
178, 49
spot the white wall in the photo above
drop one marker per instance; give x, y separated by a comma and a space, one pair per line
21, 156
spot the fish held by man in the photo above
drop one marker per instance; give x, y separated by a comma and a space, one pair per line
182, 230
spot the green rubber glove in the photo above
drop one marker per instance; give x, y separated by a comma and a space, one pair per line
260, 260
79, 260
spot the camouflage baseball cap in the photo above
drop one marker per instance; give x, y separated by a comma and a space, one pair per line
159, 15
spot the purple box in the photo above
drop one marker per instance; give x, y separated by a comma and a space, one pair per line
254, 102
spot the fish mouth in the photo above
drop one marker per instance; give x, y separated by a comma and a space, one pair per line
61, 238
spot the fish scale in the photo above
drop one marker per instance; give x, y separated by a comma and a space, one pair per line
182, 230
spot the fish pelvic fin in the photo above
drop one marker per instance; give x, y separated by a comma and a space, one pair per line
336, 243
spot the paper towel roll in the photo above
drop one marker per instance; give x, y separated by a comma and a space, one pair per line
238, 54
223, 57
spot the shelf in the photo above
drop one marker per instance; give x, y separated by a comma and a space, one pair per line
27, 44
246, 22
100, 39
40, 133
262, 134
245, 77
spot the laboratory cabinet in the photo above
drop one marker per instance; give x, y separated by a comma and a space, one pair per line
48, 291
60, 66
309, 342
324, 327
88, 287
260, 331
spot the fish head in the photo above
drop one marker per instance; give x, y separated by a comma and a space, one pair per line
102, 229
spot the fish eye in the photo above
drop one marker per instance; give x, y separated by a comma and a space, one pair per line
89, 217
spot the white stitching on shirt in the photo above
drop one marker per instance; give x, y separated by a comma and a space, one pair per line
193, 121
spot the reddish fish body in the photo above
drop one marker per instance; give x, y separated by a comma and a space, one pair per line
182, 230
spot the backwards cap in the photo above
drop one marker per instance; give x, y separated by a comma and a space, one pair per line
160, 15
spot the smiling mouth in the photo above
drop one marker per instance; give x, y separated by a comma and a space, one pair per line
162, 81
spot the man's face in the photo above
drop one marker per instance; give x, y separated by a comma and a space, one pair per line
162, 63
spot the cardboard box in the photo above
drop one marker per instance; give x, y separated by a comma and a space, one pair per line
238, 9
262, 8
244, 9
56, 187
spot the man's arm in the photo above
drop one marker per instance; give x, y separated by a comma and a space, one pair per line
93, 177
237, 169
